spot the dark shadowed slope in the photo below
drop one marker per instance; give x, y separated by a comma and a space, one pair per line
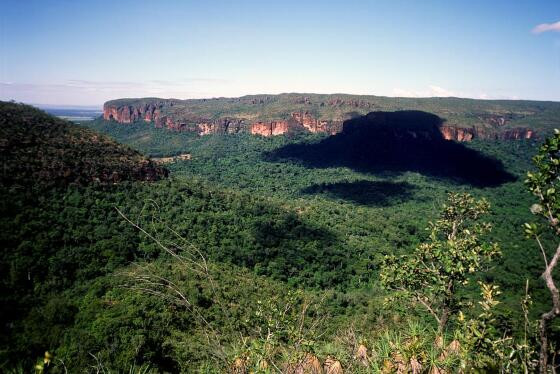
36, 147
397, 142
365, 192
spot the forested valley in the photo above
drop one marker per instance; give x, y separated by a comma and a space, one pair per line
295, 253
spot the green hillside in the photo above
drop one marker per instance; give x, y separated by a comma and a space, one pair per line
38, 148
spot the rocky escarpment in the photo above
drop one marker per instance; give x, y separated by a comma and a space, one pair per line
466, 134
421, 125
270, 128
271, 115
221, 126
154, 113
158, 114
394, 142
298, 121
148, 111
317, 125
412, 125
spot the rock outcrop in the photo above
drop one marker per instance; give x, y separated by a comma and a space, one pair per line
516, 133
298, 121
466, 134
270, 128
316, 125
131, 113
457, 133
221, 126
350, 103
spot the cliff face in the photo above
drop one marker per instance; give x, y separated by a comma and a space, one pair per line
155, 113
221, 126
466, 134
270, 128
129, 114
298, 121
457, 133
180, 115
316, 125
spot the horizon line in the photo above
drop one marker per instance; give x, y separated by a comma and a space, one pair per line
100, 105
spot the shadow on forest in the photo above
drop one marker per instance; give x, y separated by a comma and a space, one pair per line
294, 251
397, 142
364, 192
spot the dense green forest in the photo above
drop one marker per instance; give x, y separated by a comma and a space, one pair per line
188, 273
374, 212
39, 148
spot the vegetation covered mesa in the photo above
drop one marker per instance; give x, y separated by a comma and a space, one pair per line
372, 235
267, 115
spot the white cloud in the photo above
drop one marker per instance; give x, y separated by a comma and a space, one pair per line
437, 91
441, 92
404, 93
431, 91
544, 27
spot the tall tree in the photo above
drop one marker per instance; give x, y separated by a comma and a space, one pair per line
436, 270
544, 183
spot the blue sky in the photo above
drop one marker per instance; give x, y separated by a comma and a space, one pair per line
87, 52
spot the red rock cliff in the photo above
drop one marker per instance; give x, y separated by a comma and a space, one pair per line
131, 113
270, 128
466, 134
161, 114
312, 124
457, 133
